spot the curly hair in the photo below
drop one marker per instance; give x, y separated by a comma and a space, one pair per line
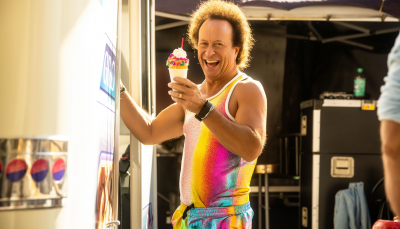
242, 36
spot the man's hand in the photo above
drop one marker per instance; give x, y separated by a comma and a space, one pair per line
120, 84
187, 94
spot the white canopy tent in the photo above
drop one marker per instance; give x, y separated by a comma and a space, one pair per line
341, 15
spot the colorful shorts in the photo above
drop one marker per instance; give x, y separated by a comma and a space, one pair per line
214, 218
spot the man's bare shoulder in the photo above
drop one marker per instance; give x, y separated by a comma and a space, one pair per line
249, 89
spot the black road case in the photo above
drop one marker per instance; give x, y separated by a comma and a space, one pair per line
340, 144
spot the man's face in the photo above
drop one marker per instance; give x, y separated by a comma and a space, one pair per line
217, 55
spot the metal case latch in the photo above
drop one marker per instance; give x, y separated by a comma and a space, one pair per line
342, 167
368, 105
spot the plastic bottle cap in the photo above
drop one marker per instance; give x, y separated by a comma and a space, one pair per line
359, 70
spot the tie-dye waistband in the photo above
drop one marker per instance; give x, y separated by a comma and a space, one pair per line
219, 211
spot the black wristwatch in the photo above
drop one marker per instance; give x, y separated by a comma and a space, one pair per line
208, 107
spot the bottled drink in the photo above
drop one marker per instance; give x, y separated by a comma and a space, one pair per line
359, 84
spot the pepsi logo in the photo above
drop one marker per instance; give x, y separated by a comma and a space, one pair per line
39, 170
58, 169
16, 170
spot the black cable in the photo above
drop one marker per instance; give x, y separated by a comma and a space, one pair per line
379, 183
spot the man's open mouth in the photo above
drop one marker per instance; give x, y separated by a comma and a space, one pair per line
211, 63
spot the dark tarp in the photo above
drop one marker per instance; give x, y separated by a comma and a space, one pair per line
391, 7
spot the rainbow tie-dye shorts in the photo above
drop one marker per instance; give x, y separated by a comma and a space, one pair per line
214, 217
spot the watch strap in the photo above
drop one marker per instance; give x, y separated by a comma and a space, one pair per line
205, 111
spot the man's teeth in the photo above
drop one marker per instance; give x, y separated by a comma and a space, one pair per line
211, 61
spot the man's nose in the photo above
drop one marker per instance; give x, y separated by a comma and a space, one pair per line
210, 51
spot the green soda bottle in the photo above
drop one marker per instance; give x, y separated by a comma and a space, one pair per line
359, 84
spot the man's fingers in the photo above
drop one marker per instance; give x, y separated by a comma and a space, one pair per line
176, 94
179, 87
179, 101
185, 82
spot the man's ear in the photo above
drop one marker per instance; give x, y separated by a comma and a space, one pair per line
236, 51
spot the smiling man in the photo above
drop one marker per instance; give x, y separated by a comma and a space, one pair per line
223, 120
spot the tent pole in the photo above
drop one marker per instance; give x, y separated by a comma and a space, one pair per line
383, 31
309, 24
172, 16
351, 26
357, 44
171, 25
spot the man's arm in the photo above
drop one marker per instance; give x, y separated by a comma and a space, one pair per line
390, 136
389, 114
167, 125
246, 136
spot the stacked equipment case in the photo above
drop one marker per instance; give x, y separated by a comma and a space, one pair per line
340, 144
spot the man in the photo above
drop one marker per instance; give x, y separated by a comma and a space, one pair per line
389, 114
223, 120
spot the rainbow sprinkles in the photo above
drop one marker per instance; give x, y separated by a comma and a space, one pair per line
175, 62
178, 59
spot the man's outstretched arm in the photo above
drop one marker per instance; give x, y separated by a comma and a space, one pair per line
148, 130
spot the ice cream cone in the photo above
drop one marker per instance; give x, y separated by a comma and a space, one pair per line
177, 73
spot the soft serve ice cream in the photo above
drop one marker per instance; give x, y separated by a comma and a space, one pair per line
178, 60
178, 64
